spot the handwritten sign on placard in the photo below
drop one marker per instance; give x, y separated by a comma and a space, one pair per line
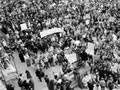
71, 58
90, 49
23, 26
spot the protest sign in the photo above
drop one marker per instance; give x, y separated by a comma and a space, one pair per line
77, 42
23, 26
71, 57
87, 21
87, 16
50, 31
90, 49
114, 37
57, 71
111, 19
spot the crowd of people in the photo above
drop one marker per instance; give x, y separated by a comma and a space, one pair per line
94, 21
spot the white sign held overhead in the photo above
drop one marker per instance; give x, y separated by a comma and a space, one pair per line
87, 22
114, 37
76, 42
90, 49
71, 58
23, 26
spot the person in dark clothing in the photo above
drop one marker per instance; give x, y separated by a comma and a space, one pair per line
50, 60
28, 74
10, 87
90, 85
51, 85
31, 84
20, 81
110, 86
39, 73
47, 79
4, 30
21, 57
84, 55
26, 85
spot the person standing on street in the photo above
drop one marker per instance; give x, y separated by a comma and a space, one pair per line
47, 80
39, 73
31, 84
20, 82
27, 59
90, 85
10, 87
21, 56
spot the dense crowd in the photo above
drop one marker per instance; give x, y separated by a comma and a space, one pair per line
97, 22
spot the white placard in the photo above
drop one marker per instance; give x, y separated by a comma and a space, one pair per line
114, 37
77, 42
57, 71
90, 49
87, 16
23, 26
87, 21
111, 19
71, 57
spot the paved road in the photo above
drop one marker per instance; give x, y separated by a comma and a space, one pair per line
38, 85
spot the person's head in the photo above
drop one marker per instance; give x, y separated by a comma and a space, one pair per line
26, 71
102, 78
90, 81
56, 77
46, 75
20, 74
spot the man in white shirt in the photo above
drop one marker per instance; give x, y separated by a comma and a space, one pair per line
55, 58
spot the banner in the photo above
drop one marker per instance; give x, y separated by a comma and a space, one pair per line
90, 49
23, 26
71, 57
50, 31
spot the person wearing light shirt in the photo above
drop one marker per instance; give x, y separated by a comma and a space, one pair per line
4, 43
27, 59
55, 58
84, 80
